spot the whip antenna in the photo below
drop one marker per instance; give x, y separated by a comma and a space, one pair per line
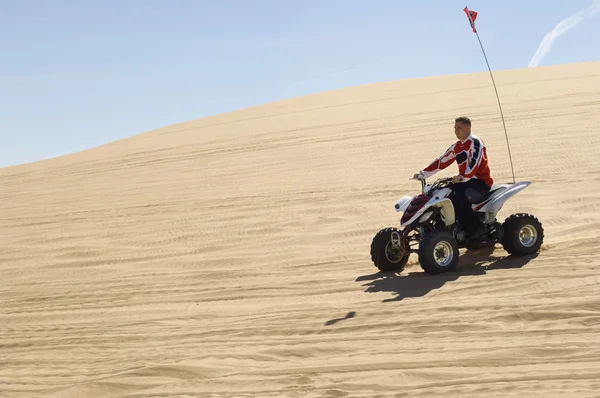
472, 15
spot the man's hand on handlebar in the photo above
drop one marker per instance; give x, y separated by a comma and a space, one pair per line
419, 176
457, 179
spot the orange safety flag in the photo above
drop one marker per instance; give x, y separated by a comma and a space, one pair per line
472, 15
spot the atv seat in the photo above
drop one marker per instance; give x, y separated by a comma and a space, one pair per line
477, 198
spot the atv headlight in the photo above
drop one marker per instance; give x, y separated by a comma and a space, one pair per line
425, 217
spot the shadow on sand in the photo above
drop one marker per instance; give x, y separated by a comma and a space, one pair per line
334, 321
417, 283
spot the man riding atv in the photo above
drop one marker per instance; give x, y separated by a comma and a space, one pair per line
474, 180
428, 224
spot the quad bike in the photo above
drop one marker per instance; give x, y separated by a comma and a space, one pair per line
429, 229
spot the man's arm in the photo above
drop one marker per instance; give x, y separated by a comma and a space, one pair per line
440, 163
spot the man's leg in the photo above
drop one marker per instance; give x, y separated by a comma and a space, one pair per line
461, 205
467, 217
475, 190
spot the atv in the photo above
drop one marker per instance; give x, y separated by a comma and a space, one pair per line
429, 229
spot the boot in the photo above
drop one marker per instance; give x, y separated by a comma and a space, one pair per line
477, 233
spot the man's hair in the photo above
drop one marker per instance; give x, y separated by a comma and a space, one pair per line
463, 119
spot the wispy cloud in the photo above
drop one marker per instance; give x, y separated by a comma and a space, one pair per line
563, 27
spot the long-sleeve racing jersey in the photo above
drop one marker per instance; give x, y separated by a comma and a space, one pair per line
471, 157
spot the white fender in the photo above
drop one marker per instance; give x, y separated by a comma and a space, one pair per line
496, 201
447, 210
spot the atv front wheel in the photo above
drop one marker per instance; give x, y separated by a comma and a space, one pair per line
387, 255
438, 252
523, 234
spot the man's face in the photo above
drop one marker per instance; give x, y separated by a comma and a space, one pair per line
461, 130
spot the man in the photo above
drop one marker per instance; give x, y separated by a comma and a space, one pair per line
473, 181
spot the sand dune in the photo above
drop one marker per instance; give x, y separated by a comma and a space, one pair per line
229, 256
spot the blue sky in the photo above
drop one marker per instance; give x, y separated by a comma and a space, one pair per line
75, 74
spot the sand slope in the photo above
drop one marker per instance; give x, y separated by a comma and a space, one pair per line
229, 256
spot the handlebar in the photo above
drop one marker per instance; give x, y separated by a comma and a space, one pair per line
437, 184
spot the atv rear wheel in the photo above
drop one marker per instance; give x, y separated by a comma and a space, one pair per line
387, 255
523, 234
438, 252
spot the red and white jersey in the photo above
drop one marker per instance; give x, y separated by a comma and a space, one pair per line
471, 157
